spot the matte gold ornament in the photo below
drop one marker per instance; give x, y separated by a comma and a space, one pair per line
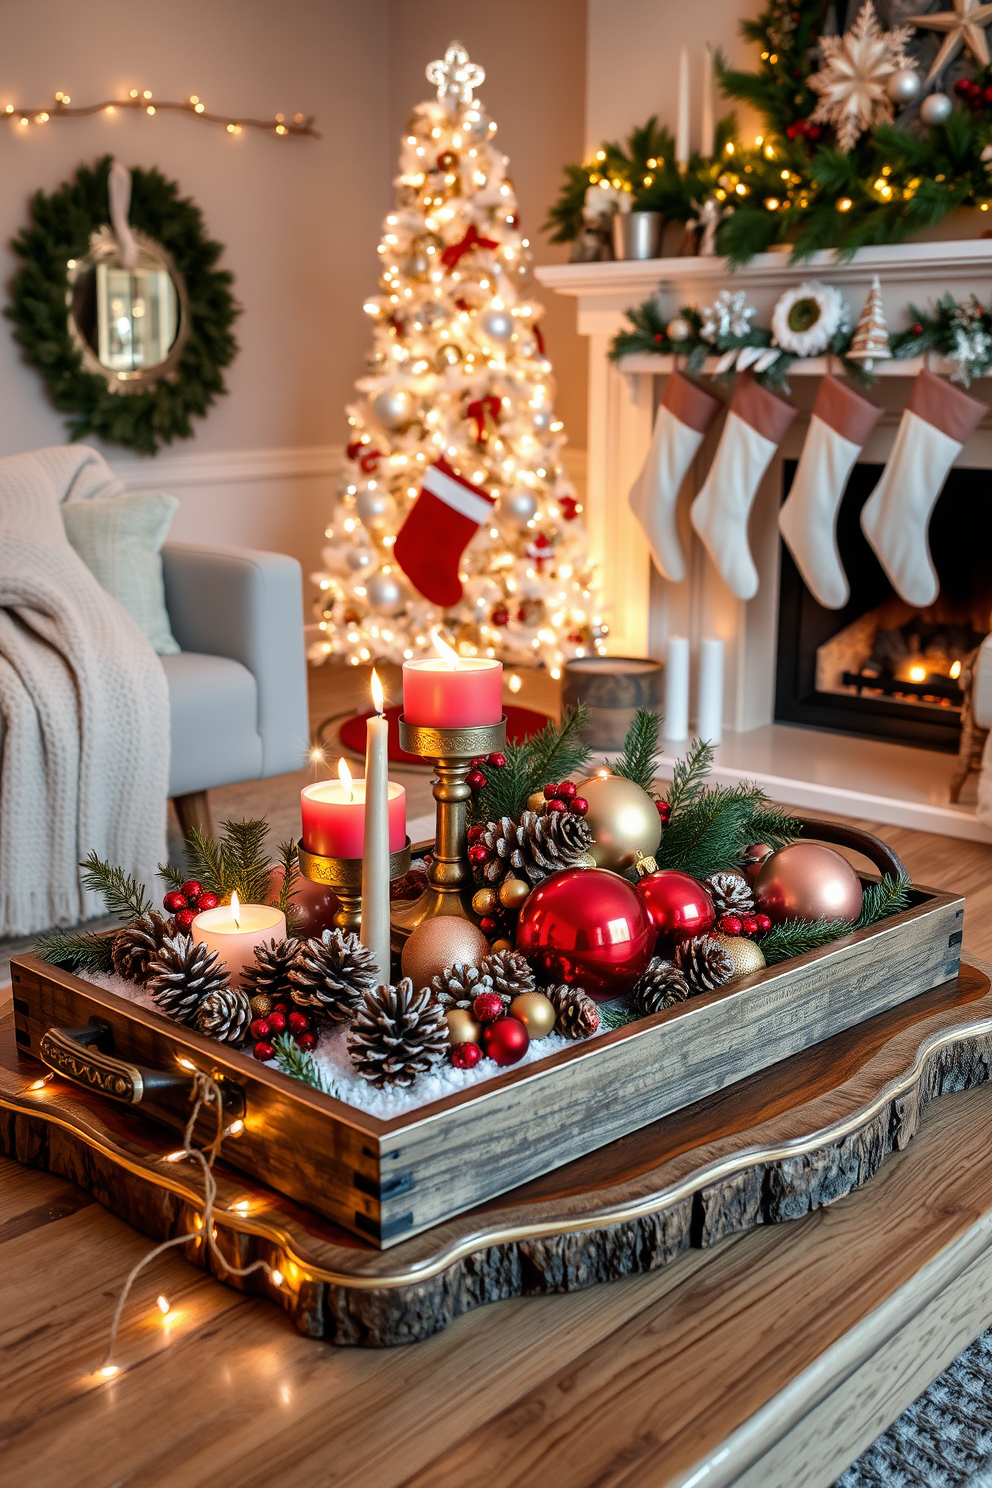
624, 820
440, 942
261, 1005
463, 1028
501, 945
746, 955
513, 892
536, 802
484, 901
536, 1012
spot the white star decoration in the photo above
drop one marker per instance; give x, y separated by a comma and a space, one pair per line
965, 27
856, 67
455, 76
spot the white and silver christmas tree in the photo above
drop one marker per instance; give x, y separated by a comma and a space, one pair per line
457, 371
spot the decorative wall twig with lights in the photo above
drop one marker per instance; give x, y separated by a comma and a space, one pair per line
141, 100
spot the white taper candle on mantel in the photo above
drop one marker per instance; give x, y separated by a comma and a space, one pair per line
707, 133
677, 688
375, 869
709, 713
682, 121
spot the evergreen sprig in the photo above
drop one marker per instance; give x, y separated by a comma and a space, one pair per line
639, 760
174, 877
710, 830
75, 951
555, 753
121, 892
889, 896
236, 862
289, 857
689, 775
301, 1065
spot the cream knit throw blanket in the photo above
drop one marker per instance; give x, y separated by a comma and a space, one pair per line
84, 707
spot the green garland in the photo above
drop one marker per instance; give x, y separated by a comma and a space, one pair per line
60, 229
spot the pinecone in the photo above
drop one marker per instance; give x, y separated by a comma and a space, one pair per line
704, 963
660, 987
224, 1014
397, 1035
270, 974
459, 985
509, 973
576, 1015
731, 894
532, 848
332, 974
135, 945
181, 974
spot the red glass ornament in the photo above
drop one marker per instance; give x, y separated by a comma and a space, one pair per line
588, 927
488, 1006
277, 1021
569, 507
260, 1028
465, 1056
185, 918
173, 901
567, 790
314, 904
555, 807
506, 1040
263, 1051
207, 901
496, 760
475, 780
306, 1041
678, 906
475, 834
297, 1023
807, 881
192, 889
730, 925
500, 615
479, 853
961, 87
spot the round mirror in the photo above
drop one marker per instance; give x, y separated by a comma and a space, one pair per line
130, 323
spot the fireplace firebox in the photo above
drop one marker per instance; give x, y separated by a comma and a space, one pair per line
879, 668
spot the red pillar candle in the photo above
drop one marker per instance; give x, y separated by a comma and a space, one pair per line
334, 816
452, 691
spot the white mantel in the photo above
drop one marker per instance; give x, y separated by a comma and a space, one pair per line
642, 608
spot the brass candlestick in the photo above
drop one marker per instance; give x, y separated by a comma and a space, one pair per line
344, 876
450, 887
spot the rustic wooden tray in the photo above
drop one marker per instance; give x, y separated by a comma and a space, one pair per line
387, 1180
769, 1149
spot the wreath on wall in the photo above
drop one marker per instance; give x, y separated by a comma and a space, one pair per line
62, 229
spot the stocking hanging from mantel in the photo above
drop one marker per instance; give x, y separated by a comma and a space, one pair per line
935, 424
838, 428
756, 424
684, 415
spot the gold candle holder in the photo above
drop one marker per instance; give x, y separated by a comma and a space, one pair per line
344, 876
451, 751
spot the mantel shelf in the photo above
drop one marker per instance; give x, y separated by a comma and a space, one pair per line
640, 362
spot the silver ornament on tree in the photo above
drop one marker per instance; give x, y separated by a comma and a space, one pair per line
497, 326
541, 419
518, 505
904, 85
384, 593
373, 506
935, 109
359, 559
393, 408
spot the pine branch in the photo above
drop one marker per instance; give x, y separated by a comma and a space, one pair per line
710, 832
205, 862
75, 952
773, 826
615, 1017
555, 753
246, 863
122, 894
301, 1065
890, 896
639, 761
174, 877
689, 775
289, 857
796, 937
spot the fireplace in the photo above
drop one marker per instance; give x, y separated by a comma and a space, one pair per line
879, 668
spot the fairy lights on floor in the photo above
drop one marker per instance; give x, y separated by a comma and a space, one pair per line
140, 100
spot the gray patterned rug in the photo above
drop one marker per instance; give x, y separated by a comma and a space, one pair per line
944, 1439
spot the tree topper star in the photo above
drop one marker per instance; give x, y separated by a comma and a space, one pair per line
852, 80
965, 27
455, 76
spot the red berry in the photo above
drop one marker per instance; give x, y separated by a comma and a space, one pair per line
277, 1021
749, 925
987, 95
476, 833
568, 790
813, 131
961, 87
306, 1040
298, 1023
974, 91
192, 889
465, 1056
578, 805
185, 918
478, 854
730, 925
475, 780
206, 901
664, 810
555, 805
763, 924
917, 329
260, 1028
496, 760
173, 901
550, 792
488, 1006
281, 1006
263, 1051
487, 924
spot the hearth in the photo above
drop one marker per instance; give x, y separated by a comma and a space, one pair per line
880, 668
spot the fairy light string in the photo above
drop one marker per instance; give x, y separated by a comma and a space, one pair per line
142, 101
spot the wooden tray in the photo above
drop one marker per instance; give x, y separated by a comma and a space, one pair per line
386, 1180
772, 1148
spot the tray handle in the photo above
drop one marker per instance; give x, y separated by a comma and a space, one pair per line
77, 1053
842, 835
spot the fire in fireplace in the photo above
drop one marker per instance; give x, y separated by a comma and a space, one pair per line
880, 668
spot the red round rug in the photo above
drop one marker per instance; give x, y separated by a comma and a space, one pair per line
520, 724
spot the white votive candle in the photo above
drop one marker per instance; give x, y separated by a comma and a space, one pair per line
677, 688
234, 930
710, 710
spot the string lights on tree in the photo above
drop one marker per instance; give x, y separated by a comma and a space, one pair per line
140, 100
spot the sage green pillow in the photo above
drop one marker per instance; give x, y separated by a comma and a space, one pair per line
120, 541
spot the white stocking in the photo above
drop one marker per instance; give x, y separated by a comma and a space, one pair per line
684, 415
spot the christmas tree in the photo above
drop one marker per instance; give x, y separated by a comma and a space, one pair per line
457, 373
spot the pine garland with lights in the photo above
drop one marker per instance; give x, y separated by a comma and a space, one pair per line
457, 369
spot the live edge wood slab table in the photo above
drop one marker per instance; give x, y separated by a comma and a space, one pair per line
745, 1351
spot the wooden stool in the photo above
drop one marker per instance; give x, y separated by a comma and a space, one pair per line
972, 737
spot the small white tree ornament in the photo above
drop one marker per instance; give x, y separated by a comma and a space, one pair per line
870, 342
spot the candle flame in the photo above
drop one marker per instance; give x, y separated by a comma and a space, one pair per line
236, 909
377, 693
344, 775
447, 653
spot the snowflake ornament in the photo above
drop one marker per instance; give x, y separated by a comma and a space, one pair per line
729, 315
455, 77
852, 79
972, 349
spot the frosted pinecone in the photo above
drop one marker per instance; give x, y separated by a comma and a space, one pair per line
458, 986
224, 1014
661, 986
510, 974
397, 1035
270, 974
533, 848
331, 974
181, 974
704, 963
731, 894
134, 946
576, 1015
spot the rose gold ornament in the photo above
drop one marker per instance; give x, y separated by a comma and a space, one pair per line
624, 821
753, 859
589, 928
808, 882
535, 1011
438, 943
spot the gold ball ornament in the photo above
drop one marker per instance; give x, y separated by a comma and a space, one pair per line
624, 821
536, 1012
462, 1027
484, 901
501, 945
536, 802
513, 892
438, 943
746, 955
261, 1005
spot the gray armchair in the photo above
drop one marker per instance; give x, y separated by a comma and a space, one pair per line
238, 688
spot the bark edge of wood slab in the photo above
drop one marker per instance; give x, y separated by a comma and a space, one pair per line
690, 1180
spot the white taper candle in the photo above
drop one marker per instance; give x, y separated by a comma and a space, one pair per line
709, 724
677, 688
682, 123
375, 871
707, 133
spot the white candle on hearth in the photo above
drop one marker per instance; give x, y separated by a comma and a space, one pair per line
375, 871
707, 132
677, 688
682, 121
709, 724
